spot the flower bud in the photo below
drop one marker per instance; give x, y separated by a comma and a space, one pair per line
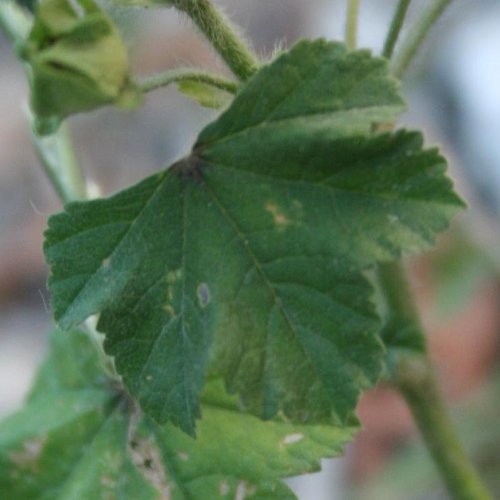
78, 60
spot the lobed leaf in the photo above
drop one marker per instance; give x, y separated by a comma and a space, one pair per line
75, 440
245, 259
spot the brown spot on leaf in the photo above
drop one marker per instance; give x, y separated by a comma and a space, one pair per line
280, 219
28, 457
174, 276
169, 310
146, 457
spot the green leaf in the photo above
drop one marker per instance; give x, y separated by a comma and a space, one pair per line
237, 453
78, 60
244, 258
84, 441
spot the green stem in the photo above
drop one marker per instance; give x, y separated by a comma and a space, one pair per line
420, 389
154, 82
59, 162
415, 379
395, 28
397, 292
55, 151
222, 35
351, 25
416, 35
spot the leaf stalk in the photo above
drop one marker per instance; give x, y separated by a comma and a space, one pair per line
153, 82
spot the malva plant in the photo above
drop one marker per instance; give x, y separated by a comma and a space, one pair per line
218, 321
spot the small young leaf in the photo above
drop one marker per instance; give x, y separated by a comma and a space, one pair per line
77, 440
246, 255
78, 60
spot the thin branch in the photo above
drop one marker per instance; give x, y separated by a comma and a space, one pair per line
395, 28
416, 35
59, 162
415, 380
153, 82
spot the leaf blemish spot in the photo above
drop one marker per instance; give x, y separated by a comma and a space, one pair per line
28, 457
224, 488
107, 482
174, 276
203, 293
293, 438
279, 218
146, 457
183, 456
169, 310
244, 490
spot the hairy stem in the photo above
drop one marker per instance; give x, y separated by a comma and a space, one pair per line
222, 35
351, 25
59, 162
154, 82
416, 35
395, 28
415, 380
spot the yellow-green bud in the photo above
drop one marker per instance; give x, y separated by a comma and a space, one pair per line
78, 60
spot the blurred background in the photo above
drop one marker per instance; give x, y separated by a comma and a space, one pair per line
453, 90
